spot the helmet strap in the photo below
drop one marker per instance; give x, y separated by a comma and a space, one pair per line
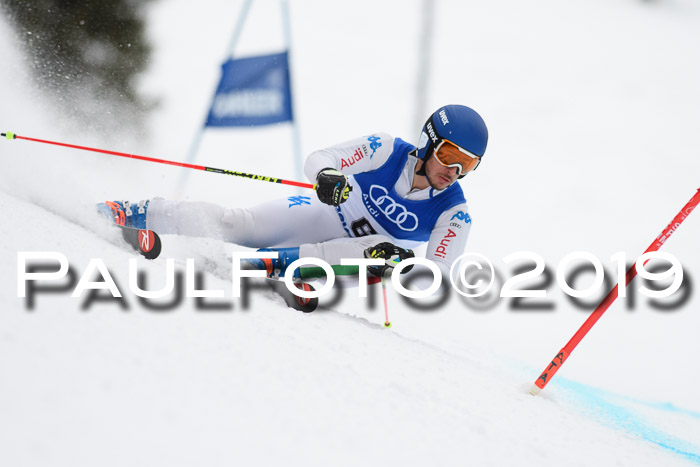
421, 171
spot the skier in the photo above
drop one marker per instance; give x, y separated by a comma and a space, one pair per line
377, 196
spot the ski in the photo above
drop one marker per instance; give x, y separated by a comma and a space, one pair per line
145, 242
305, 305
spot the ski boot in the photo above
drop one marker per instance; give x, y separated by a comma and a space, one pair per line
275, 267
125, 213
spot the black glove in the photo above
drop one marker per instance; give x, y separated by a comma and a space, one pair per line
332, 187
391, 254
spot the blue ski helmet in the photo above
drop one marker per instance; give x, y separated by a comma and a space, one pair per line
458, 124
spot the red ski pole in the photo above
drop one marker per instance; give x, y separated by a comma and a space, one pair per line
263, 178
556, 363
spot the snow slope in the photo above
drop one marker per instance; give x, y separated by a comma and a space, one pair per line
591, 108
269, 385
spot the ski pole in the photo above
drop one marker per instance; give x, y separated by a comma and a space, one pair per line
387, 323
263, 178
556, 363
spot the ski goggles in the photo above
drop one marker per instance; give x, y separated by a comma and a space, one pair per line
450, 155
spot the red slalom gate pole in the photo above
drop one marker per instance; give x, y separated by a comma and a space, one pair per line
559, 359
263, 178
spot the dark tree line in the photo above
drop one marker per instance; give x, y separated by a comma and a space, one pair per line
85, 54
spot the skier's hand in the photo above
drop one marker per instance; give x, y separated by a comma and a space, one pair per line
332, 187
391, 254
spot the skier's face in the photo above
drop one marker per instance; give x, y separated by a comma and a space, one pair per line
439, 177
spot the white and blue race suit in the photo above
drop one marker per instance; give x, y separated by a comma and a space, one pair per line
381, 170
382, 207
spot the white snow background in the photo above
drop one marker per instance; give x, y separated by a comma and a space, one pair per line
592, 109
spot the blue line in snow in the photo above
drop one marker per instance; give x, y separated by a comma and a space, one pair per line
606, 408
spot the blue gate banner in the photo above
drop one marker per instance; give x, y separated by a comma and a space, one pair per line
252, 91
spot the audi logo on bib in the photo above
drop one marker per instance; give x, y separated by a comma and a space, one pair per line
395, 212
